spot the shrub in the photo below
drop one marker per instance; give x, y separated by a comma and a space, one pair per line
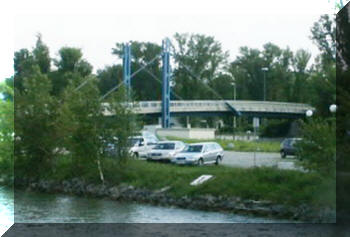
318, 147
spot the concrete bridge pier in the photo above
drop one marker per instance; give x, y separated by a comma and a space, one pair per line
188, 124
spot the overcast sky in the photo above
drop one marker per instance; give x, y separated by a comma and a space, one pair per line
95, 26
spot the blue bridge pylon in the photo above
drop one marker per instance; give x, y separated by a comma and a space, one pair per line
166, 77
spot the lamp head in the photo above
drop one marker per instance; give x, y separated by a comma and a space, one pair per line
333, 108
309, 113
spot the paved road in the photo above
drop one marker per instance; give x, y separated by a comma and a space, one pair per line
246, 160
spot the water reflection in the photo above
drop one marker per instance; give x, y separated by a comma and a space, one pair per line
6, 209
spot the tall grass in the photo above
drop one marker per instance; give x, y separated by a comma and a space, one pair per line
279, 186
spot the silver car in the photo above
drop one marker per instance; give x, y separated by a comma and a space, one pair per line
166, 150
200, 153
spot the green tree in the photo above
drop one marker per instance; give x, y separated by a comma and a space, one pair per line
6, 130
318, 147
222, 84
323, 34
146, 84
301, 88
79, 121
23, 66
70, 66
35, 130
86, 129
199, 59
25, 60
323, 77
109, 77
343, 89
8, 93
42, 55
121, 125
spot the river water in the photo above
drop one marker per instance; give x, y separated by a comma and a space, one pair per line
33, 207
6, 209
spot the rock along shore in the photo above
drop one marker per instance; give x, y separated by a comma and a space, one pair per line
125, 192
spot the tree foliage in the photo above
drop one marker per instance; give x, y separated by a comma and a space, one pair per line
109, 77
70, 66
35, 130
200, 60
343, 89
59, 114
6, 129
318, 147
146, 84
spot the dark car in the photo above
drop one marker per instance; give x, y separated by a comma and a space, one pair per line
288, 147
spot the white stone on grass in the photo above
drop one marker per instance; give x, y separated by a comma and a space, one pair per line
201, 179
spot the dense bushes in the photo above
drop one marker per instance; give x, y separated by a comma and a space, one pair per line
318, 147
62, 111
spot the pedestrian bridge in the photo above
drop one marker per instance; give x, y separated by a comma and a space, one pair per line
219, 107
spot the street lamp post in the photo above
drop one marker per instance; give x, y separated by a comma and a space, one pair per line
264, 69
234, 98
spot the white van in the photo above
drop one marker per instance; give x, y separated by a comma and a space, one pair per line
141, 145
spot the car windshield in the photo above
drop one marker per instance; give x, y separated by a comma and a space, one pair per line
134, 141
193, 148
165, 146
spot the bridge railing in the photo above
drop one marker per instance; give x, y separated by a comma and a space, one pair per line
207, 105
144, 107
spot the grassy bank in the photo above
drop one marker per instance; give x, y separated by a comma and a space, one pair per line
279, 186
247, 146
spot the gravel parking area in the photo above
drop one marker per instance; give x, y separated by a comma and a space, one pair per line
247, 160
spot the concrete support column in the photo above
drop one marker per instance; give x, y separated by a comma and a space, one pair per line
160, 120
188, 125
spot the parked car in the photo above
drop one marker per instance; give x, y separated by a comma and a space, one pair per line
288, 147
110, 147
166, 150
141, 145
200, 153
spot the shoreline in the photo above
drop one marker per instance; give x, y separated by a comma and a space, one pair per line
129, 193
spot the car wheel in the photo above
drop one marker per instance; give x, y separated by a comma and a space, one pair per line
200, 162
218, 159
136, 155
283, 154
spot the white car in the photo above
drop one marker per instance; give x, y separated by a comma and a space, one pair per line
141, 145
200, 153
166, 150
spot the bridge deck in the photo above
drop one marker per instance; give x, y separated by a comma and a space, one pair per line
244, 107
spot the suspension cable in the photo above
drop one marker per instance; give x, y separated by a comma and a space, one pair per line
111, 90
137, 71
206, 85
144, 66
82, 84
158, 80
